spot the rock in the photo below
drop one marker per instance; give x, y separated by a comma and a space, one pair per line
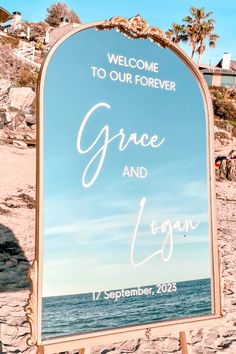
3, 135
129, 346
15, 136
28, 110
18, 119
5, 118
20, 97
2, 119
3, 106
31, 135
30, 119
227, 168
5, 85
231, 176
8, 117
20, 144
21, 127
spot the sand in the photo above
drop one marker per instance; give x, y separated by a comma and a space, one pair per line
17, 229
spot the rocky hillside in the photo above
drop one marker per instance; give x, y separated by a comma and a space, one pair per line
17, 96
224, 104
13, 69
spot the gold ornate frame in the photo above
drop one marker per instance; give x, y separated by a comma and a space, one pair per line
134, 28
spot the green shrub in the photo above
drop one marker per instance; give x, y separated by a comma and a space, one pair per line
232, 122
221, 135
224, 103
26, 77
224, 109
220, 123
232, 94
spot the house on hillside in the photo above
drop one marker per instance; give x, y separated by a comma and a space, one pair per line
16, 20
223, 74
12, 24
4, 17
10, 21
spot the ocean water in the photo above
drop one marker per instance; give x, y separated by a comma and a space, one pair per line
74, 314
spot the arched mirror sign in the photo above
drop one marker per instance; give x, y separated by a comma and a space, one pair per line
126, 233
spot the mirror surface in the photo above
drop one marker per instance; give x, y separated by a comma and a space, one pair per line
126, 222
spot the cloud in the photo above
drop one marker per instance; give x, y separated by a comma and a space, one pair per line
196, 189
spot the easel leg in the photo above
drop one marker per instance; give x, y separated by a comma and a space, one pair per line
85, 351
183, 342
40, 350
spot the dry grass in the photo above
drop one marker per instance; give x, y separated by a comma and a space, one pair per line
12, 41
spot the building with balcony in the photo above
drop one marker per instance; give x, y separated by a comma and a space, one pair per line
4, 17
223, 74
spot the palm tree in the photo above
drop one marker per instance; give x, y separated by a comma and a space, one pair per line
199, 27
177, 33
192, 34
212, 41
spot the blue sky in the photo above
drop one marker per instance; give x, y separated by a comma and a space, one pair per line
158, 13
88, 231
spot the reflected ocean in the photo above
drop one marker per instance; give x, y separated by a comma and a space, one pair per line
63, 315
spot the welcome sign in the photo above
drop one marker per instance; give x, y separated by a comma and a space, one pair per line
126, 234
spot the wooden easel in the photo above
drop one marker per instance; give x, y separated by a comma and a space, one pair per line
85, 351
183, 343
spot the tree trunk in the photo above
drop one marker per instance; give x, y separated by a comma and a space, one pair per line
201, 51
199, 59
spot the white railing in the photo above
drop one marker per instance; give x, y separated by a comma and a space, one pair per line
26, 52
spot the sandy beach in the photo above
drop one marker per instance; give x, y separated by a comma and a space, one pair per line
17, 222
17, 231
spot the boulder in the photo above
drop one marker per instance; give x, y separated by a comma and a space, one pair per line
19, 120
231, 170
20, 144
30, 119
8, 118
5, 85
226, 170
31, 135
20, 97
2, 119
5, 118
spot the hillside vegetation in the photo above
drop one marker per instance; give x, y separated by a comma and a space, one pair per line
224, 105
19, 73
